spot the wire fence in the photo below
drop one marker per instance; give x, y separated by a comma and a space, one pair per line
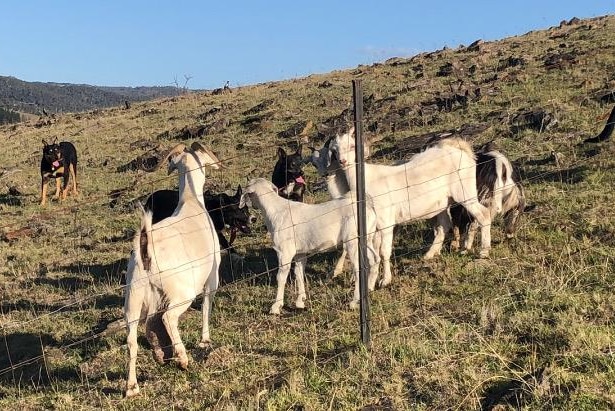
93, 203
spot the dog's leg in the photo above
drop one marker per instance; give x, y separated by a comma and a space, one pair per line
65, 181
44, 192
57, 194
73, 177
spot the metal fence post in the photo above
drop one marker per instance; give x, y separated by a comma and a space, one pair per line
357, 92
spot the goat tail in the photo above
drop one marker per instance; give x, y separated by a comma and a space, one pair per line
142, 245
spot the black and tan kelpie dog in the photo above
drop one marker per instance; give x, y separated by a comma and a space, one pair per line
222, 208
288, 175
59, 162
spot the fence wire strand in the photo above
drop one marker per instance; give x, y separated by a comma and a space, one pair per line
93, 201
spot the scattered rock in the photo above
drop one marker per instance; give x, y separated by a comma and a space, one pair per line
258, 108
560, 61
148, 112
510, 62
475, 46
449, 69
537, 119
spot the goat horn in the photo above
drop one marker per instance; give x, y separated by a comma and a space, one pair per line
165, 157
196, 146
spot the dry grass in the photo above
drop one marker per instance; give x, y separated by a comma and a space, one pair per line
531, 327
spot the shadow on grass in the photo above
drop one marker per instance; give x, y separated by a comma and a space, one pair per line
10, 200
517, 393
37, 308
23, 362
111, 273
260, 267
573, 175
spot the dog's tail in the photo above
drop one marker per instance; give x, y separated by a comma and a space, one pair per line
606, 132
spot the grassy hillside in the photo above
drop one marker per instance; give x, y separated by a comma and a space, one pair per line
530, 327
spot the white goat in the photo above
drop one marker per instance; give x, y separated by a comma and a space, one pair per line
421, 188
299, 229
328, 166
172, 262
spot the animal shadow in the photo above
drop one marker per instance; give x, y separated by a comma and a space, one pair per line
10, 200
111, 273
22, 358
573, 175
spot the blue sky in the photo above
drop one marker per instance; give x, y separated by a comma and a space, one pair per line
153, 43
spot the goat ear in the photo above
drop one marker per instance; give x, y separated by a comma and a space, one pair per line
166, 158
281, 153
196, 146
172, 163
216, 164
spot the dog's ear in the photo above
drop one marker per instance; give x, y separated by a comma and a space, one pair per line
245, 201
45, 143
239, 191
281, 153
55, 140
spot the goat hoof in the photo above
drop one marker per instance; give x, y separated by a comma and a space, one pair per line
183, 363
132, 390
275, 310
158, 355
300, 305
354, 305
205, 344
483, 254
383, 283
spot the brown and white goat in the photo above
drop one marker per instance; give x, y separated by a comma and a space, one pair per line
499, 189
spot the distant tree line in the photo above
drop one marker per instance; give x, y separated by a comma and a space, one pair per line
9, 116
31, 97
